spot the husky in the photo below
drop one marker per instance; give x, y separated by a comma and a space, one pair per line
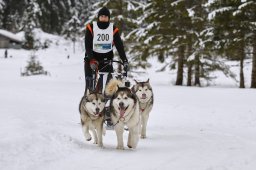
124, 112
91, 109
144, 93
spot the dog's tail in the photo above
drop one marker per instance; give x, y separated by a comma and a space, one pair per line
112, 86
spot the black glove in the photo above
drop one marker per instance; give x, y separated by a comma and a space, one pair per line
126, 66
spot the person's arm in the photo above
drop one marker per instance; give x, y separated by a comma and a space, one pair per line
88, 43
119, 46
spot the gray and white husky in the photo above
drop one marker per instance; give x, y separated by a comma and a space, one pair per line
91, 109
124, 112
144, 93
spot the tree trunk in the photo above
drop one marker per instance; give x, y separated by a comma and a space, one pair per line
242, 68
189, 65
74, 46
179, 79
189, 80
253, 76
197, 71
242, 72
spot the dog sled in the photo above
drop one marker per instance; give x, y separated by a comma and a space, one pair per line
101, 78
129, 107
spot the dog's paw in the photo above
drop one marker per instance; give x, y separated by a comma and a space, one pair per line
88, 137
129, 146
95, 142
120, 147
101, 145
143, 137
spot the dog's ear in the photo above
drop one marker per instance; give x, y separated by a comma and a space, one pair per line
133, 89
88, 92
129, 90
147, 81
86, 99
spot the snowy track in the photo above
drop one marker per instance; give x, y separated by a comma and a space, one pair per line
189, 128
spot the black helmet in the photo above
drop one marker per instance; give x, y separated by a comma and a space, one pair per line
104, 11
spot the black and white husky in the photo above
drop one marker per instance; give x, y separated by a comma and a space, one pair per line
91, 109
124, 112
144, 93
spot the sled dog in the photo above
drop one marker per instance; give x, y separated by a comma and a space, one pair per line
124, 112
144, 93
91, 109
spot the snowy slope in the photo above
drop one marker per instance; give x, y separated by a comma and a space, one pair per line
211, 128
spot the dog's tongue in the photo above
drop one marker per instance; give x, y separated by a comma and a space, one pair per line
143, 96
122, 111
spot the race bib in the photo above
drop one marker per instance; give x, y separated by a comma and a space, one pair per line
102, 38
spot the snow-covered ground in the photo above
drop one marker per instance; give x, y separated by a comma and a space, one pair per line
190, 128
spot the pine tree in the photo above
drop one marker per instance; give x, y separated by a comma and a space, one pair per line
54, 14
253, 75
166, 25
30, 22
1, 13
33, 67
197, 47
246, 11
10, 14
180, 26
229, 32
84, 9
72, 29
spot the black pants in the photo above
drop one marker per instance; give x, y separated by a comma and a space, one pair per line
104, 66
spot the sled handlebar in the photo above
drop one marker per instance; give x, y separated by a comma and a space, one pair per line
110, 62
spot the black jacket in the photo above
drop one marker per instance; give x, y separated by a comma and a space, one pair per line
90, 54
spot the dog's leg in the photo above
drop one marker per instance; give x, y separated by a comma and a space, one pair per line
103, 131
119, 128
133, 138
129, 143
85, 128
92, 128
144, 122
100, 133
